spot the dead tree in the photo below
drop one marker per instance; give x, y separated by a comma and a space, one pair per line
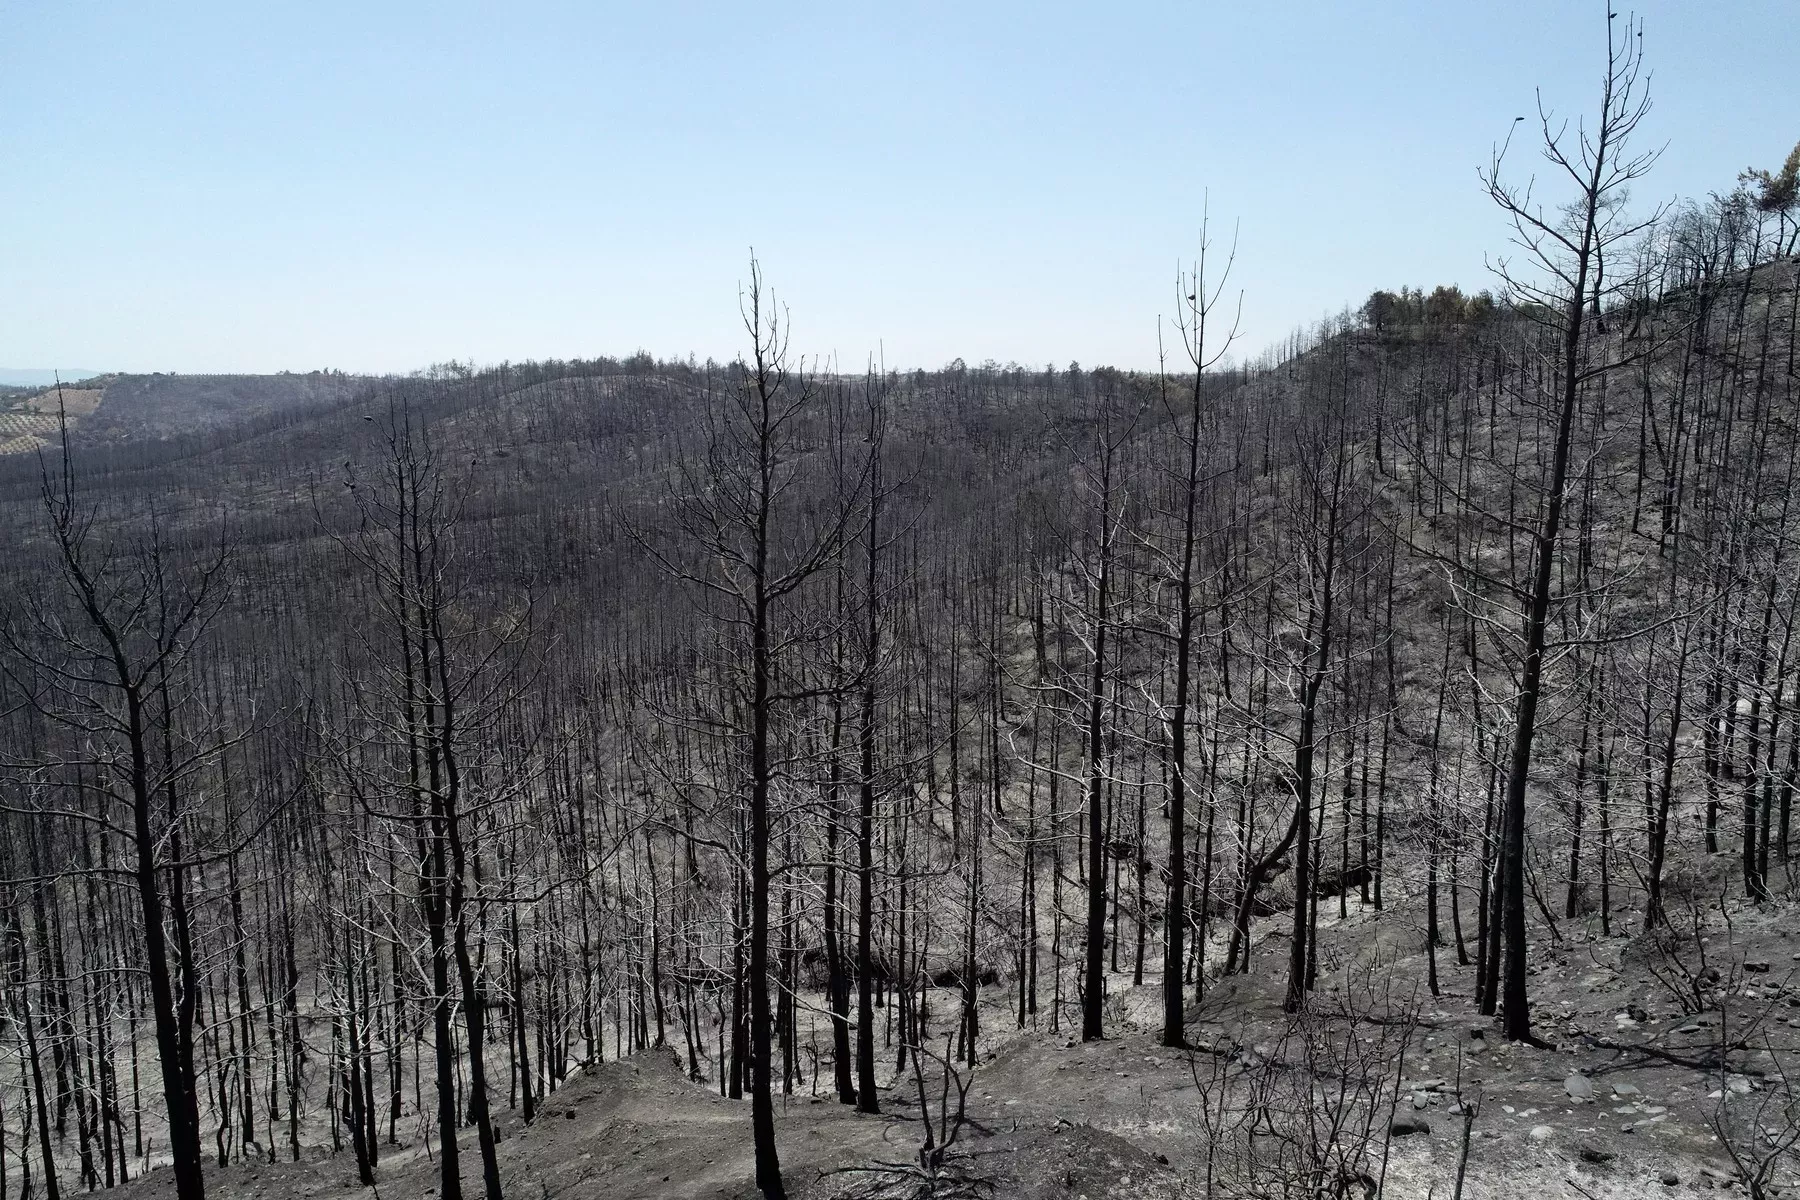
762, 536
1564, 250
426, 683
106, 653
1198, 297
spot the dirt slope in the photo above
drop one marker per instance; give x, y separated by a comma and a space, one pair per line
639, 1129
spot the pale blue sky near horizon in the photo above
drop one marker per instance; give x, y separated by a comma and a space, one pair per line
375, 187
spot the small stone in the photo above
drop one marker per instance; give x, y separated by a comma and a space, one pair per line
1542, 1133
1688, 1029
1579, 1087
1670, 1179
1420, 1100
1595, 1154
1627, 1089
1757, 968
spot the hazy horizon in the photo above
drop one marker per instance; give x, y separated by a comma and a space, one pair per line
321, 186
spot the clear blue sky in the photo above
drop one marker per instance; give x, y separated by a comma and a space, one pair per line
256, 186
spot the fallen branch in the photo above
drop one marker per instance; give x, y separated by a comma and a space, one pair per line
1715, 1060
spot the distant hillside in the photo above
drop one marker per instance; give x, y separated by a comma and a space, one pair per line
162, 406
29, 419
114, 409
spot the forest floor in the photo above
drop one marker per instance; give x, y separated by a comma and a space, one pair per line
1050, 1116
639, 1128
1569, 1119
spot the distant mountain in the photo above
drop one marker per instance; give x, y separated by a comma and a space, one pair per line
35, 377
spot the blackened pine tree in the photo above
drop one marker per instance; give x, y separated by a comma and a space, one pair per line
1560, 286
